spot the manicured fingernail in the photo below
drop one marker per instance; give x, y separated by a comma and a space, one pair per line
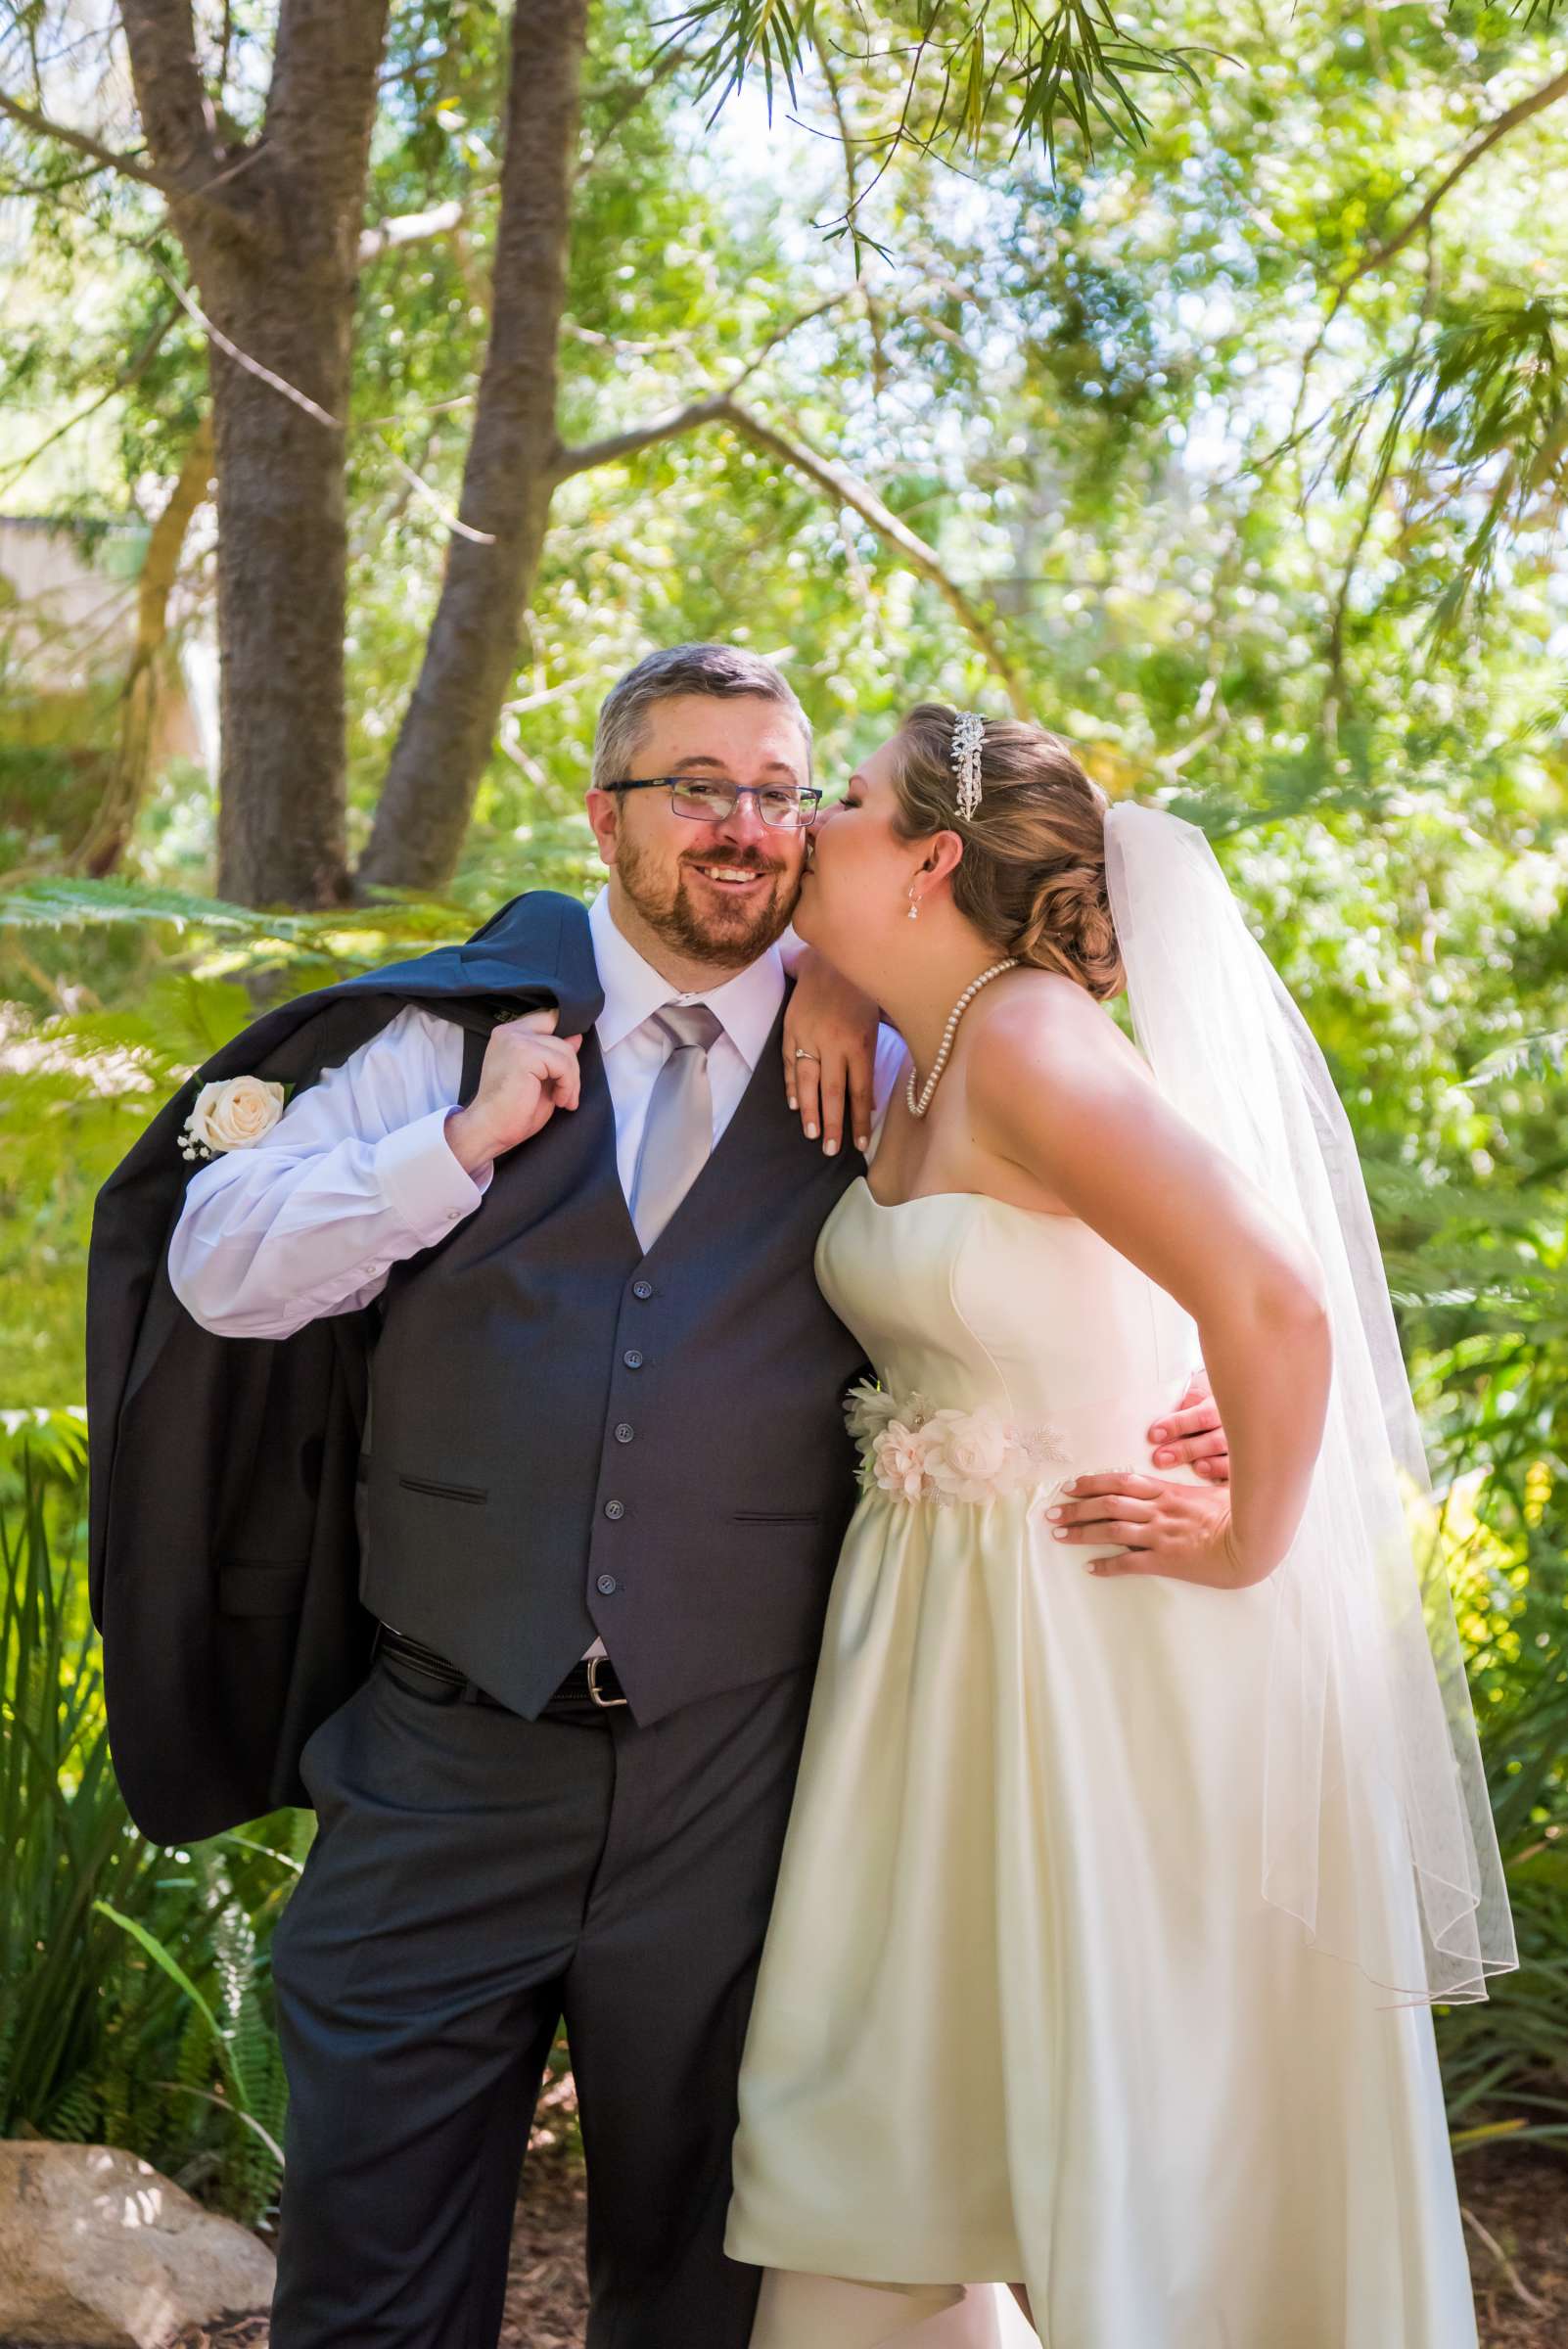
811, 1133
1093, 1567
1155, 1432
1053, 1513
828, 1148
862, 1141
1164, 1455
793, 1104
1058, 1533
1071, 1485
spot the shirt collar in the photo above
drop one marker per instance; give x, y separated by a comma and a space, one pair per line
746, 1006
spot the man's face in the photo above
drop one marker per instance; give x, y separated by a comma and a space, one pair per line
715, 894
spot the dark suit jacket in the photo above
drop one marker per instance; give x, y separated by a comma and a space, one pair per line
217, 1464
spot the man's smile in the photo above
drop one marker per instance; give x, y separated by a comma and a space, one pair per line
737, 879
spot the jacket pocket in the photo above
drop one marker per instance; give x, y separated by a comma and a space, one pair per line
778, 1517
261, 1586
474, 1494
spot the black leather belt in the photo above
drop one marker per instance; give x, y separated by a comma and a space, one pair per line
590, 1686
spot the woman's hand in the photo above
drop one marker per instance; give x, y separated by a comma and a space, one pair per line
1182, 1530
830, 1043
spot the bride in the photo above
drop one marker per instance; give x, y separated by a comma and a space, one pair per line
1138, 1820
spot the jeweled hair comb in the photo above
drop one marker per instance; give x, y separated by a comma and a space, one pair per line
968, 733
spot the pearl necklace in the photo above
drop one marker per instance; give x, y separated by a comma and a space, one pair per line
918, 1109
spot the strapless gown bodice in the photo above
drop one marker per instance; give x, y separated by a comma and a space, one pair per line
976, 1305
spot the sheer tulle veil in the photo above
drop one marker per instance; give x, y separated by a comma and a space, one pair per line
1377, 1832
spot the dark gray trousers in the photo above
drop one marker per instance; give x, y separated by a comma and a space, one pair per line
475, 1879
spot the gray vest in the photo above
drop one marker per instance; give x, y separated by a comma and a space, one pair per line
570, 1437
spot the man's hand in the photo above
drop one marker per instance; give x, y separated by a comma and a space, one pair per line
835, 1028
529, 1073
1176, 1529
1192, 1433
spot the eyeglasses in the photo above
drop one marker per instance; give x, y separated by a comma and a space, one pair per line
779, 804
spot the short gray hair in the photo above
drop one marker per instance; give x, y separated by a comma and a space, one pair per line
724, 670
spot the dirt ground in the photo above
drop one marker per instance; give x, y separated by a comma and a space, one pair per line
1516, 2200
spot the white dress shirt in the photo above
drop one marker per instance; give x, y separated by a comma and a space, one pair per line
358, 1173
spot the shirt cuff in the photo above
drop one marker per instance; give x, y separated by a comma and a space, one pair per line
423, 1178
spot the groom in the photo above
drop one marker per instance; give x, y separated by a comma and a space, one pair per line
603, 1478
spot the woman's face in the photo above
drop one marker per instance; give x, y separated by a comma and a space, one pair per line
856, 885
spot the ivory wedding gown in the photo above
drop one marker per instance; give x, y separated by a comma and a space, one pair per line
1023, 2012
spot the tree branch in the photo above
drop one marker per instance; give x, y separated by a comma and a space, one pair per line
176, 113
920, 557
1533, 103
619, 445
844, 487
408, 228
199, 317
102, 847
852, 180
46, 187
697, 412
104, 159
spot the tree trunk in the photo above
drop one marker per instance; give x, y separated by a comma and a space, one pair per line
282, 570
471, 651
272, 234
111, 826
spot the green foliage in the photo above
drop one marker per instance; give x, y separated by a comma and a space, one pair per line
1505, 2063
109, 1945
158, 979
979, 64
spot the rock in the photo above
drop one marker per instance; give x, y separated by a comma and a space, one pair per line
97, 2251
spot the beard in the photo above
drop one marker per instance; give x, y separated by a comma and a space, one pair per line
720, 934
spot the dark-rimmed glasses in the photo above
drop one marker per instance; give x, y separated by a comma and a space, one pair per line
782, 805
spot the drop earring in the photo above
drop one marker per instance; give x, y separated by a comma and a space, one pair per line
914, 904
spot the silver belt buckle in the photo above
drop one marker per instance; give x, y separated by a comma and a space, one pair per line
605, 1703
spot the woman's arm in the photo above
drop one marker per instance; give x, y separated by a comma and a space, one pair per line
1052, 1088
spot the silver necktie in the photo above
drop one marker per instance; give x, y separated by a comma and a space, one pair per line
678, 1136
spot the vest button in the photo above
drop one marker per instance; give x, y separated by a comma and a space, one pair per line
642, 1288
624, 1432
608, 1585
615, 1509
632, 1359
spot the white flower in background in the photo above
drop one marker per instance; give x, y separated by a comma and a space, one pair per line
899, 1461
231, 1114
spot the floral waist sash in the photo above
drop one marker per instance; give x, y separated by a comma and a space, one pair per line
914, 1450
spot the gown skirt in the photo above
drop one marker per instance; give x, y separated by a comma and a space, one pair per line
1023, 2012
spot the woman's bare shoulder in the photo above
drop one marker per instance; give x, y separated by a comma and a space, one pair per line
1042, 1023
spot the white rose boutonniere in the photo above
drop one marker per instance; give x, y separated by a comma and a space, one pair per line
231, 1115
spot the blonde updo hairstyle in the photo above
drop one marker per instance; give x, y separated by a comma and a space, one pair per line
1032, 876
